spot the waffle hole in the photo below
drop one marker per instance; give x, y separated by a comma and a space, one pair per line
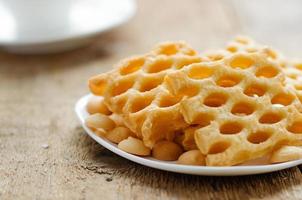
232, 49
267, 72
241, 62
140, 103
160, 66
215, 100
215, 57
298, 87
119, 104
132, 66
283, 99
270, 118
243, 109
253, 90
228, 81
190, 52
231, 128
169, 50
122, 87
190, 91
219, 147
296, 127
293, 76
150, 84
203, 119
259, 137
242, 40
169, 101
272, 54
98, 87
200, 72
298, 66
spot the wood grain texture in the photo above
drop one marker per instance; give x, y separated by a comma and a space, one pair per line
37, 95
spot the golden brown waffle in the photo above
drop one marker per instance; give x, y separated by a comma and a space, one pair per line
292, 69
135, 91
245, 44
240, 105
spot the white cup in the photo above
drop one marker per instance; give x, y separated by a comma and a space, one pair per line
35, 17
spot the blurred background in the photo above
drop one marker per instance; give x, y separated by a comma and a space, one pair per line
204, 24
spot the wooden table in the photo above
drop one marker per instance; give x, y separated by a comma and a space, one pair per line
38, 93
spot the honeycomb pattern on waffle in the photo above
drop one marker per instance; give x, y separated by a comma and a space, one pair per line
292, 69
185, 137
245, 45
135, 90
240, 106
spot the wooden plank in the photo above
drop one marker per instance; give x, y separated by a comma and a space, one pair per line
37, 94
95, 172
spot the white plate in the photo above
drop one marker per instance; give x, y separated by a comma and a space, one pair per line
42, 26
81, 112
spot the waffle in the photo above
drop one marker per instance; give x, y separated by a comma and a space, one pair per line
135, 91
293, 71
95, 106
240, 104
245, 44
291, 68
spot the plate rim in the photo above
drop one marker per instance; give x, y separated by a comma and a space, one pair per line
185, 169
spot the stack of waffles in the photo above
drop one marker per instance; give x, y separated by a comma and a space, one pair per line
218, 108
